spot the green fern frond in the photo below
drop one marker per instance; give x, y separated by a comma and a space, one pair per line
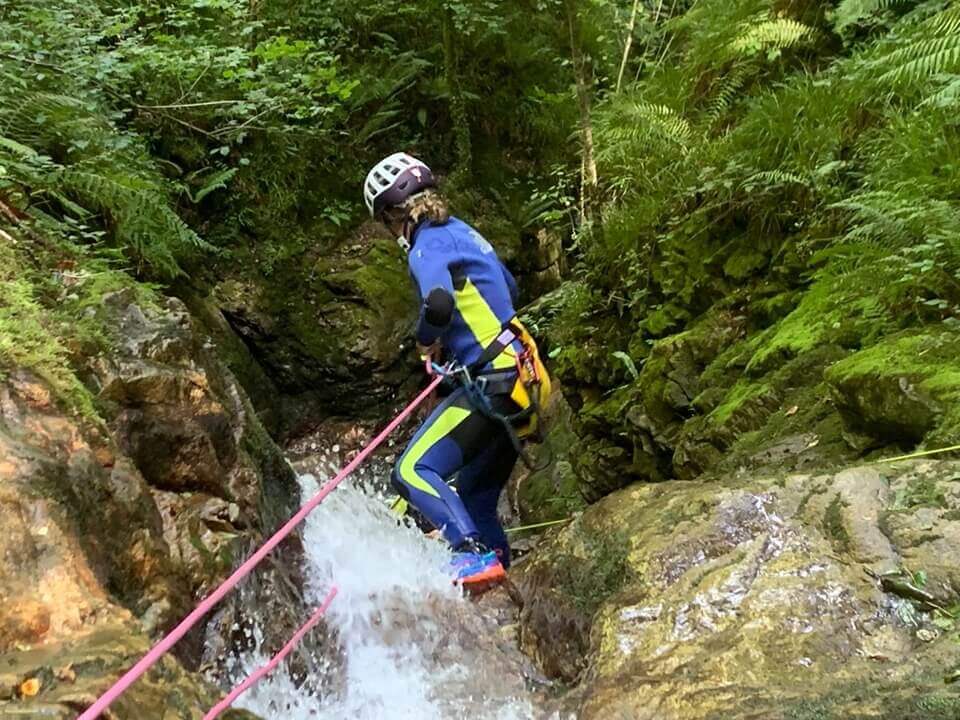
923, 59
920, 50
927, 49
656, 120
946, 22
897, 218
141, 218
850, 12
771, 35
38, 118
772, 178
17, 148
727, 91
948, 95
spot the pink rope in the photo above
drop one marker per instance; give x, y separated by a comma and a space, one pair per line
261, 672
208, 603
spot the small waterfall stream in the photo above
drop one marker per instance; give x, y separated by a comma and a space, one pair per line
405, 643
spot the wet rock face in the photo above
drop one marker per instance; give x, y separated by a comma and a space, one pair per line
112, 526
329, 326
66, 497
755, 598
82, 553
188, 427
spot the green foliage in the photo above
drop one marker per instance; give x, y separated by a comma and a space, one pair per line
638, 142
138, 217
49, 289
732, 161
851, 12
923, 50
771, 37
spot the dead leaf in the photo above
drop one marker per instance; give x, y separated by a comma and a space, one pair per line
792, 411
67, 674
29, 687
813, 443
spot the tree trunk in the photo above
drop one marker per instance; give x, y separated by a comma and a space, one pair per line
628, 43
458, 106
582, 73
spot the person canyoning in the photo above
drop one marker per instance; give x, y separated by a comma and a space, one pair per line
468, 318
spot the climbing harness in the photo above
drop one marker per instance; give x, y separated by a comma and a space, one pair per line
207, 604
528, 385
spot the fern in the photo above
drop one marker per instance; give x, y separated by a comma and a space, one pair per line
646, 124
948, 95
110, 174
17, 148
141, 219
851, 12
946, 22
927, 49
727, 91
771, 36
929, 58
773, 178
218, 181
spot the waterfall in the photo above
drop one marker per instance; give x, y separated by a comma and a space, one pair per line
403, 642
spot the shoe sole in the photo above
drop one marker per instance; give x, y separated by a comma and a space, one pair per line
482, 581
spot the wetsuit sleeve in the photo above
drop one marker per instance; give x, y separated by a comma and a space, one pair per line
435, 284
511, 284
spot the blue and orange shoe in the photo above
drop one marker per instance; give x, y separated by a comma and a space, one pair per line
477, 569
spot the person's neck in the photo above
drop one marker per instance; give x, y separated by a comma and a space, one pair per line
411, 227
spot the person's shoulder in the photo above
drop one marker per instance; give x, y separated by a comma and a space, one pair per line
472, 236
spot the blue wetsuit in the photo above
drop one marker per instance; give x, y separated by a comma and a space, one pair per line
467, 296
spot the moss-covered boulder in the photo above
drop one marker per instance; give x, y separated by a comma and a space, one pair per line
782, 418
795, 597
550, 490
905, 389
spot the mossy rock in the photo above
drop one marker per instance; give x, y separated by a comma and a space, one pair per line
784, 418
746, 597
905, 389
328, 326
671, 376
830, 312
552, 492
601, 467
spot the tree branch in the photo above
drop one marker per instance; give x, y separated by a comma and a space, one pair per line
177, 106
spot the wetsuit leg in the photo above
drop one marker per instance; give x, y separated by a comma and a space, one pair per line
480, 484
450, 438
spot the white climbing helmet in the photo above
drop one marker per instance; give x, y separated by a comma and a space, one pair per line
393, 180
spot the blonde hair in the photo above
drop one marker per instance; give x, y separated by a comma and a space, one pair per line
427, 205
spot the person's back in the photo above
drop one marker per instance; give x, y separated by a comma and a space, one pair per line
454, 258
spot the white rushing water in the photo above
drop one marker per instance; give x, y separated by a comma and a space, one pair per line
409, 645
